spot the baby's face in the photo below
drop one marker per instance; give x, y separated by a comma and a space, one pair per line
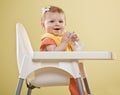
54, 23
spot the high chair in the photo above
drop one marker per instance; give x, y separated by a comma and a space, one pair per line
42, 69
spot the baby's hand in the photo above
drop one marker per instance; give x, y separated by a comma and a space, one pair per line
74, 42
66, 37
74, 37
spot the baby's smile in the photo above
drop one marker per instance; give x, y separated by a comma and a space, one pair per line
56, 28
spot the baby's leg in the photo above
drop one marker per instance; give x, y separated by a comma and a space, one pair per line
73, 87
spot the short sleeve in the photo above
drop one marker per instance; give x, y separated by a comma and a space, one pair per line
45, 42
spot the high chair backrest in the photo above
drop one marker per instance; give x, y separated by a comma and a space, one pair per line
23, 44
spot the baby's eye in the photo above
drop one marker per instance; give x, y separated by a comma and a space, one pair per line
61, 21
52, 21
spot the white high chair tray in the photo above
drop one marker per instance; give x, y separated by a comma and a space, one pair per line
83, 55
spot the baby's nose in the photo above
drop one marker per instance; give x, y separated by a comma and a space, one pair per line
57, 23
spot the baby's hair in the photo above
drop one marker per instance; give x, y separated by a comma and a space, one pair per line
52, 9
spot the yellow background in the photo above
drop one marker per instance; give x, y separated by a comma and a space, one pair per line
96, 21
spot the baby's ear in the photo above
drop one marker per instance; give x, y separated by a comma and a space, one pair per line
42, 25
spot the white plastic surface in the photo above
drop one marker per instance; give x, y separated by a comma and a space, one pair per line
86, 55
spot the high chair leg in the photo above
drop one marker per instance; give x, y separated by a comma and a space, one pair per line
19, 86
29, 91
78, 78
80, 86
84, 77
87, 86
30, 87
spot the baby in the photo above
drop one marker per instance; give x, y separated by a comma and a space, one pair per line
55, 38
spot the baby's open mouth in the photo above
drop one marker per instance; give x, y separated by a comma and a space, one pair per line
56, 28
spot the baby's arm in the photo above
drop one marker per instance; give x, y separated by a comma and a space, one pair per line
62, 46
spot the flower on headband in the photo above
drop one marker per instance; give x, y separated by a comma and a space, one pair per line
46, 9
